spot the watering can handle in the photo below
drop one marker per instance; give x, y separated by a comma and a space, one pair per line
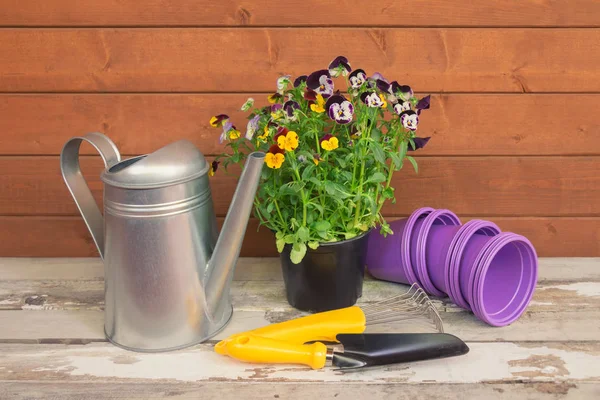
69, 166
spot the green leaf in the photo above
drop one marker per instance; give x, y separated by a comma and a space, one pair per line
298, 252
317, 206
307, 172
279, 235
341, 162
377, 177
414, 163
403, 149
322, 226
313, 245
375, 133
335, 189
316, 182
270, 207
289, 239
280, 244
388, 193
378, 152
302, 234
347, 175
398, 162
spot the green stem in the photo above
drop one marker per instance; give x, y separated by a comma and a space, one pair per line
277, 208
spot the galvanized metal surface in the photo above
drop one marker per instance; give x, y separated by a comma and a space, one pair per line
167, 271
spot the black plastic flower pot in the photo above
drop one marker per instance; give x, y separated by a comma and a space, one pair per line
328, 278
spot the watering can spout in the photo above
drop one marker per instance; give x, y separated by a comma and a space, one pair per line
219, 271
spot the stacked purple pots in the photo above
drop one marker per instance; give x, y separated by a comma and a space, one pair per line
481, 268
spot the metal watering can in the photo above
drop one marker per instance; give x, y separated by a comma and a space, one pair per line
167, 270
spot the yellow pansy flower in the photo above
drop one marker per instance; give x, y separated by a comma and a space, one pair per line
234, 134
384, 105
218, 120
274, 158
289, 142
319, 106
329, 143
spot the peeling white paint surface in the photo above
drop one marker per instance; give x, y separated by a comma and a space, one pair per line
10, 301
485, 362
588, 289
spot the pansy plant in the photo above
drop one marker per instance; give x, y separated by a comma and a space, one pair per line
356, 137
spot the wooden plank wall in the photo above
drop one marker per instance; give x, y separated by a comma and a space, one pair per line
514, 118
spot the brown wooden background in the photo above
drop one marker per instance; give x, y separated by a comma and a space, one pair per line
515, 117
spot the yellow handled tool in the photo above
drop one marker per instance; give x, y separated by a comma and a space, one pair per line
258, 349
323, 326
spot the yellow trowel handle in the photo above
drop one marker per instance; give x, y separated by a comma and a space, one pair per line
257, 349
324, 326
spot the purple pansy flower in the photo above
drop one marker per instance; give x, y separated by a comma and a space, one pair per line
419, 143
289, 107
339, 66
404, 92
252, 127
276, 107
226, 128
357, 78
401, 106
320, 82
410, 120
299, 80
423, 104
339, 109
372, 99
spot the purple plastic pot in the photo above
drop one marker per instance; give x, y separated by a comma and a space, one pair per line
438, 246
433, 248
505, 280
468, 242
388, 258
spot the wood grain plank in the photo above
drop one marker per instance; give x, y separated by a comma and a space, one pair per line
492, 186
105, 390
174, 60
469, 124
68, 236
298, 12
551, 269
486, 362
54, 294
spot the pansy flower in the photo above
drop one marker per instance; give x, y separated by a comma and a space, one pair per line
229, 131
310, 95
266, 132
401, 106
218, 120
276, 111
252, 127
339, 66
357, 78
274, 157
274, 98
302, 158
282, 83
288, 142
423, 104
373, 99
248, 104
410, 120
419, 143
355, 133
329, 142
404, 92
317, 159
213, 168
339, 109
320, 81
300, 80
319, 105
289, 107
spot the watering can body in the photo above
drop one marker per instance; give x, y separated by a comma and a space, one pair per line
167, 270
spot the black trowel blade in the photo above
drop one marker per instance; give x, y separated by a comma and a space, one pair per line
370, 349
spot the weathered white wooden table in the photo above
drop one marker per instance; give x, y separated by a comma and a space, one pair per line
52, 344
